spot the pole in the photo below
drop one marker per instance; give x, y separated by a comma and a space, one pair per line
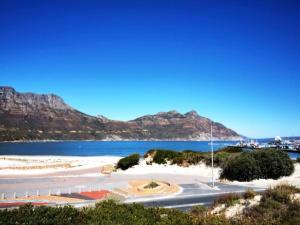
212, 156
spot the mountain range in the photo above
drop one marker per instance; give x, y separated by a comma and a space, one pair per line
29, 116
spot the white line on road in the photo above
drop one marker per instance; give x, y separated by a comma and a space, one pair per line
182, 206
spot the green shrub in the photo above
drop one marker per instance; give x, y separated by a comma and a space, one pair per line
275, 207
241, 168
249, 194
198, 210
292, 215
220, 158
227, 199
128, 161
209, 219
179, 160
274, 163
298, 160
231, 149
112, 213
151, 185
28, 214
268, 164
189, 151
161, 156
150, 152
280, 193
193, 158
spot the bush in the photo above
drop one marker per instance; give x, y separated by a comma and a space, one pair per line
241, 168
198, 210
227, 199
220, 158
190, 157
189, 151
267, 164
161, 156
28, 214
280, 193
292, 215
179, 160
151, 185
249, 194
193, 157
112, 213
298, 160
231, 149
128, 161
274, 163
213, 220
275, 207
150, 152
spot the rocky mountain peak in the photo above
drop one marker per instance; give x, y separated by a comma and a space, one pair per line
171, 112
103, 118
28, 102
55, 102
192, 113
6, 89
6, 92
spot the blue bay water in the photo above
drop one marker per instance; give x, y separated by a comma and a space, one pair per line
102, 148
107, 148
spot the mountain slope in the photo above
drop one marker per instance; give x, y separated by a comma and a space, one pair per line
28, 116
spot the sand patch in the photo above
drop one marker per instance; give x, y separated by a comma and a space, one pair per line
37, 167
143, 188
47, 198
33, 165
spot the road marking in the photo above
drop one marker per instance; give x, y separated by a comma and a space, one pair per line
182, 206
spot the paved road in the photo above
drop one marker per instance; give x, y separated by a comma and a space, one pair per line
192, 195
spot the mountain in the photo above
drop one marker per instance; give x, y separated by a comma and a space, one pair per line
29, 116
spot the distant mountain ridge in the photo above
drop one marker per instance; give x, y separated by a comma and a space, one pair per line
29, 116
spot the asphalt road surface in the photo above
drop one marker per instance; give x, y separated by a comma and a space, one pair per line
192, 195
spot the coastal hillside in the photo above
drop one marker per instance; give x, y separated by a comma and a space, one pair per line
29, 116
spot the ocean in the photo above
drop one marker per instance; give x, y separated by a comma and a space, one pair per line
107, 148
102, 148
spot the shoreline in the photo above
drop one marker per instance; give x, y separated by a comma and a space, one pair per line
123, 140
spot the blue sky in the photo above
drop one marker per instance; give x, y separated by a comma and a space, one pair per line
236, 62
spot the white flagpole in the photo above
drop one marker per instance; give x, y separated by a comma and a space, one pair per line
212, 156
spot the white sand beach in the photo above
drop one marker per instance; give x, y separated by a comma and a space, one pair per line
37, 165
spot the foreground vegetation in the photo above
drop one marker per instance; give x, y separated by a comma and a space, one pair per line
277, 207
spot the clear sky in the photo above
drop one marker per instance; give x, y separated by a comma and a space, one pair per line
237, 62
